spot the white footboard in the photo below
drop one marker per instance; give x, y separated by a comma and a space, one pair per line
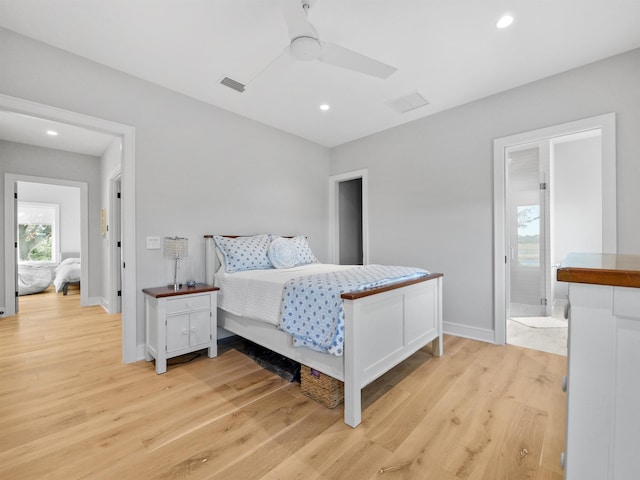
384, 329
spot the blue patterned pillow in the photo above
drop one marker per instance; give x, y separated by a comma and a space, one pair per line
283, 253
245, 253
305, 255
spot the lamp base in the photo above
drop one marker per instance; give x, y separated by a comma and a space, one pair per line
175, 286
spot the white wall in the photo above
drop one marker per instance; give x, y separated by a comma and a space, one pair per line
68, 198
576, 198
431, 180
576, 203
199, 169
20, 159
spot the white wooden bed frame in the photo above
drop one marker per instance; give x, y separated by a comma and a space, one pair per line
383, 327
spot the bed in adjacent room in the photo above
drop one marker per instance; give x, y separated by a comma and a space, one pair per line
67, 272
352, 323
35, 277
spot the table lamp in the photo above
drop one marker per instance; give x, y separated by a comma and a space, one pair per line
175, 248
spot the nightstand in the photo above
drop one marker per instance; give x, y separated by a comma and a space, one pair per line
180, 321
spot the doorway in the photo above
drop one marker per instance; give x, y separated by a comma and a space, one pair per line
349, 225
14, 185
350, 221
554, 193
126, 133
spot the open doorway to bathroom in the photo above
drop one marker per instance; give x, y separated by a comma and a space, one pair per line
554, 207
558, 197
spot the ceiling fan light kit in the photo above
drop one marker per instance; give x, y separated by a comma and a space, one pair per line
305, 48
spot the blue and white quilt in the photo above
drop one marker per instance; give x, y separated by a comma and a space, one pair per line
312, 310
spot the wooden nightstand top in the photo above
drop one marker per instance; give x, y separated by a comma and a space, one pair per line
159, 292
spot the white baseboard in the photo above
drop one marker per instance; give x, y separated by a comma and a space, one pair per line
140, 352
465, 331
93, 301
104, 303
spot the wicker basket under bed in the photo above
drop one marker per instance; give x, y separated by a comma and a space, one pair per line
320, 387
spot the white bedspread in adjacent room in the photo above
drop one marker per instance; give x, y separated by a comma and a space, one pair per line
257, 294
67, 272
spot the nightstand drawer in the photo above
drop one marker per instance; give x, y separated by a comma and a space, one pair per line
187, 303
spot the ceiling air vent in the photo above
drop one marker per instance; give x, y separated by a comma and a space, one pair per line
232, 84
408, 102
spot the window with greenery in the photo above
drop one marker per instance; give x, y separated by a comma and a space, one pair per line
529, 235
37, 232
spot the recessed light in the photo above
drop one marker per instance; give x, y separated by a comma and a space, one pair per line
53, 133
505, 21
324, 107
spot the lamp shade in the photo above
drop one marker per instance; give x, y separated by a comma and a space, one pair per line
176, 248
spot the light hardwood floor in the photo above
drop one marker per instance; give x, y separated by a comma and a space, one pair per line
69, 409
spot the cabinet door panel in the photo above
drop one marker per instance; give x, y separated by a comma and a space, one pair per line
177, 332
200, 327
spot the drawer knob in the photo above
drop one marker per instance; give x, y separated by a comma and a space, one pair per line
189, 304
185, 332
193, 329
564, 383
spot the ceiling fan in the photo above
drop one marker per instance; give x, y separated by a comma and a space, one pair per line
306, 44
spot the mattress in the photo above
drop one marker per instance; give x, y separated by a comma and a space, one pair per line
257, 294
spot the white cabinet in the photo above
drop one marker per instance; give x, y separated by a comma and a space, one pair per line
603, 379
180, 321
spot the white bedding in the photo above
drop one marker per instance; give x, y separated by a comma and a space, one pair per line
34, 277
257, 294
67, 272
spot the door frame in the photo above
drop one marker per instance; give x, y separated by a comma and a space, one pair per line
607, 124
10, 219
127, 135
334, 213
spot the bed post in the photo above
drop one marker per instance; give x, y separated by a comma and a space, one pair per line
352, 391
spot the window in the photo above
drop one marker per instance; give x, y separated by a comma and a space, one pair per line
38, 232
529, 235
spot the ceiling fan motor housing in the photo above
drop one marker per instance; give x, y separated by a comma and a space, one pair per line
305, 48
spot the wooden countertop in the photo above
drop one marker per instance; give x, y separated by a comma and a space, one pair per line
601, 269
159, 292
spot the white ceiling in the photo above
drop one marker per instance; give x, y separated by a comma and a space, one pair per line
15, 127
448, 50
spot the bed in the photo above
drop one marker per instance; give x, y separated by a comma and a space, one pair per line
67, 272
383, 325
35, 277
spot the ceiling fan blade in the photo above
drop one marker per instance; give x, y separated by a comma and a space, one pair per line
345, 58
296, 19
277, 63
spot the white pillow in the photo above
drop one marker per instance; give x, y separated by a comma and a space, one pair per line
283, 253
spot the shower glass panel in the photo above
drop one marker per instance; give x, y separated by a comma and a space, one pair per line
526, 232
